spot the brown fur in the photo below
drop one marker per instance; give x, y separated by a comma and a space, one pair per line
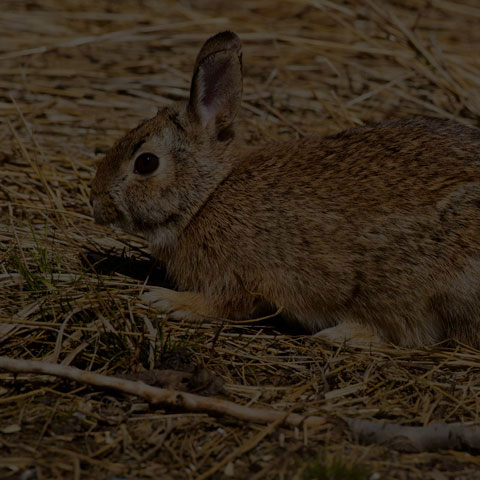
374, 231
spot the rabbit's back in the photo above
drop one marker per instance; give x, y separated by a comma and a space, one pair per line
386, 166
393, 172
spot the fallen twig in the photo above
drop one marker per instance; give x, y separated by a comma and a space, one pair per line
160, 396
436, 436
403, 438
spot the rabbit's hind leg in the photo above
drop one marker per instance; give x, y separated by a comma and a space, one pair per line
456, 308
459, 318
351, 333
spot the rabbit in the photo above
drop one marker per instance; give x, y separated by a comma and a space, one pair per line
371, 235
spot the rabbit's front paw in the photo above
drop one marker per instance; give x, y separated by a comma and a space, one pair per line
179, 305
159, 298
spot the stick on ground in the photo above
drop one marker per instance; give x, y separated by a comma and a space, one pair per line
404, 438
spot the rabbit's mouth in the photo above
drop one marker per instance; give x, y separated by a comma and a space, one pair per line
105, 213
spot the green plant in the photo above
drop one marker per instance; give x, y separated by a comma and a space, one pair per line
334, 469
37, 266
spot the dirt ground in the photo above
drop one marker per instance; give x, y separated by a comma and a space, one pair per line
74, 76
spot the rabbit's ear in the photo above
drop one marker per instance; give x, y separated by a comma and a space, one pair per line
216, 90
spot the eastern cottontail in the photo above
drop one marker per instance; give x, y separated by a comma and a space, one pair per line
373, 233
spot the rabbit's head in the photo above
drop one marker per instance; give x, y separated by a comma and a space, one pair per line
157, 176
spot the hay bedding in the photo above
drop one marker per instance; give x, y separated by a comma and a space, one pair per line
76, 75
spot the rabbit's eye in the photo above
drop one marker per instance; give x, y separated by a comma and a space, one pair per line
146, 163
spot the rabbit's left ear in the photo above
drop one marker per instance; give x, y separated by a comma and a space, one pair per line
216, 90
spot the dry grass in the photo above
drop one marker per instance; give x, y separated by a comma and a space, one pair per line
73, 77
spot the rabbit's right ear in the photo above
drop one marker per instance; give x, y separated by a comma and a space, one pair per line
216, 90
